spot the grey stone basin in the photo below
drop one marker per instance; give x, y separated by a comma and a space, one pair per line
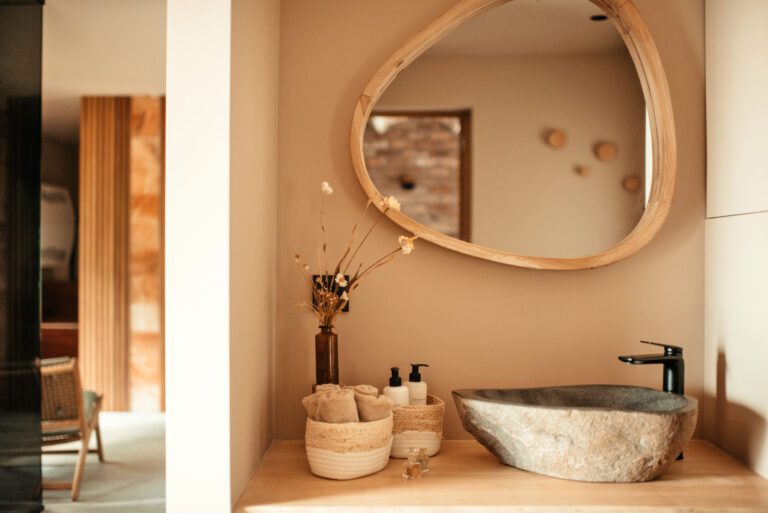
598, 433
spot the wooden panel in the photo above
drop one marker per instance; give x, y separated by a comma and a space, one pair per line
464, 477
103, 253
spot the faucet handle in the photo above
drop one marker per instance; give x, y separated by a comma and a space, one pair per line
669, 349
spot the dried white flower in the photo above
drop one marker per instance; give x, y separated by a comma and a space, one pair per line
390, 202
326, 188
345, 296
341, 281
406, 244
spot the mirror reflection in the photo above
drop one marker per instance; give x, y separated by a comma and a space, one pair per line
523, 130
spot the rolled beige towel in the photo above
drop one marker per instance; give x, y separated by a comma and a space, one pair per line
337, 406
310, 404
328, 387
370, 408
364, 389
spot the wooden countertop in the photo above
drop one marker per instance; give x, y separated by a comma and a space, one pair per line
465, 477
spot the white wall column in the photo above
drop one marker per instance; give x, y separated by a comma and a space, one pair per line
221, 208
197, 256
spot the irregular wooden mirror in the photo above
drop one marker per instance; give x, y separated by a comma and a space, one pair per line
507, 129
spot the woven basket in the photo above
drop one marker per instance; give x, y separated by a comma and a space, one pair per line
418, 427
349, 450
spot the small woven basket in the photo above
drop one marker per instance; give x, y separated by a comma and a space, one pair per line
418, 427
348, 450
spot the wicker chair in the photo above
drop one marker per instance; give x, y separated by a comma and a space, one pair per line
69, 414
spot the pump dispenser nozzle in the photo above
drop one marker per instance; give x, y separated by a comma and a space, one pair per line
415, 375
394, 379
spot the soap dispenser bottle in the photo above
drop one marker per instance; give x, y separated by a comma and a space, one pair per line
416, 387
396, 391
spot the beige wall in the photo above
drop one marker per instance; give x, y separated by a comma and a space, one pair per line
478, 324
737, 230
252, 228
527, 197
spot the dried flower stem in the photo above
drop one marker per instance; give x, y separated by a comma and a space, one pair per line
370, 230
329, 295
352, 239
378, 263
322, 229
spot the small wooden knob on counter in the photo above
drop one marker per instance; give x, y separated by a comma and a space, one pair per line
556, 139
631, 183
606, 151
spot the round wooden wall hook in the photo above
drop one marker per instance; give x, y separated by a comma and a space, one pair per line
555, 139
606, 151
631, 183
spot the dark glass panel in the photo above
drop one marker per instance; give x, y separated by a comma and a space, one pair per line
20, 59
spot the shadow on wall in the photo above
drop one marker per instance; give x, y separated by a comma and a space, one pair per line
737, 429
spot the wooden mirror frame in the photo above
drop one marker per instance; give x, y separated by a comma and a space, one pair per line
639, 42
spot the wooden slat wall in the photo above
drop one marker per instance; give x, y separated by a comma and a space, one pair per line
103, 247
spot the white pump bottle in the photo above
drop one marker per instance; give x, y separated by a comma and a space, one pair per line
417, 387
396, 391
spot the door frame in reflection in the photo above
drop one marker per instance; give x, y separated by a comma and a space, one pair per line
464, 117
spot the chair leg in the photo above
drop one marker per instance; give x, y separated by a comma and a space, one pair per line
80, 466
99, 447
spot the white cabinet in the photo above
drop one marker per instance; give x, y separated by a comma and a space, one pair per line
737, 106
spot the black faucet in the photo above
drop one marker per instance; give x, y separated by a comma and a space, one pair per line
674, 365
674, 368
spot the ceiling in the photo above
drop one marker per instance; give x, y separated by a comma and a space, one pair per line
98, 47
533, 27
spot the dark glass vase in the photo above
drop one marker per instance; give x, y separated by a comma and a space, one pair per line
326, 356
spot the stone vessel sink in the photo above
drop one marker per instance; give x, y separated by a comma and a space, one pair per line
597, 433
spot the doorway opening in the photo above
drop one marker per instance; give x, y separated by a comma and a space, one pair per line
102, 149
